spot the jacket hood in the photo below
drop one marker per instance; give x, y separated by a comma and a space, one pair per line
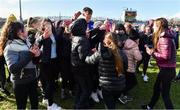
129, 44
168, 34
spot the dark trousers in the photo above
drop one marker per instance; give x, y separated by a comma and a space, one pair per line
83, 91
131, 82
66, 74
94, 77
2, 74
162, 86
48, 73
23, 91
145, 61
110, 98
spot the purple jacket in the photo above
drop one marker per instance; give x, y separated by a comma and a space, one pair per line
165, 54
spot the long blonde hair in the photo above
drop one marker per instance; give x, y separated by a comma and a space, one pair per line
4, 32
113, 46
162, 25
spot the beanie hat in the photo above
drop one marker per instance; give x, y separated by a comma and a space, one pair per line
79, 27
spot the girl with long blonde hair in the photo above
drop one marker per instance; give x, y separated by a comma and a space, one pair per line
111, 67
3, 36
3, 40
165, 54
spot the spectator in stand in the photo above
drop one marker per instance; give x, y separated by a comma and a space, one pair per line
164, 52
145, 39
3, 38
19, 59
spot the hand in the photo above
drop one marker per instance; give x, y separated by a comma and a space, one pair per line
46, 34
111, 46
35, 50
76, 15
148, 50
94, 50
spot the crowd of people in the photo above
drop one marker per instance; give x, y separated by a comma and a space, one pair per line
93, 60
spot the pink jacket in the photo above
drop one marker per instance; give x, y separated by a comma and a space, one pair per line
165, 54
133, 54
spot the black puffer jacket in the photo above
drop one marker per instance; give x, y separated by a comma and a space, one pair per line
108, 77
79, 50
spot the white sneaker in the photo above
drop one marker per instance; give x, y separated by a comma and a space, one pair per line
45, 101
54, 107
145, 78
100, 93
94, 96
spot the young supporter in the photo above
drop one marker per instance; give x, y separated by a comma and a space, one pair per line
96, 36
19, 59
67, 88
79, 50
33, 26
49, 62
112, 63
133, 54
119, 29
145, 39
164, 52
3, 38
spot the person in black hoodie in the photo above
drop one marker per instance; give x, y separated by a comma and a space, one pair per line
79, 50
65, 60
112, 63
145, 39
49, 45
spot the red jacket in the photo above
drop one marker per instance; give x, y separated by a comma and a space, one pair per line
165, 54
